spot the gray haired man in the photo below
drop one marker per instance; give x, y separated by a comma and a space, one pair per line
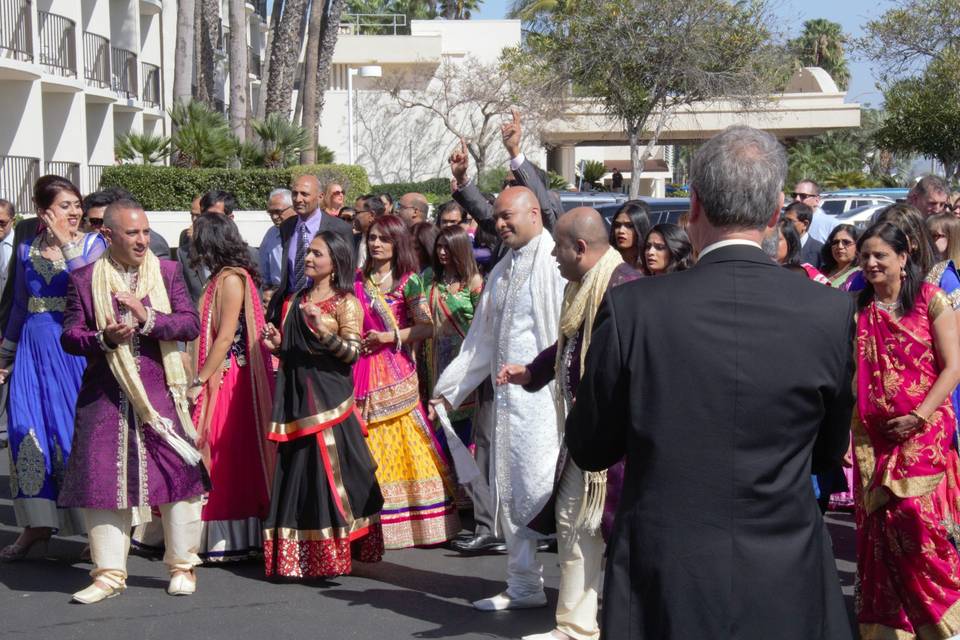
279, 207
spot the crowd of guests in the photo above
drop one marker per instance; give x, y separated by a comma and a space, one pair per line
373, 370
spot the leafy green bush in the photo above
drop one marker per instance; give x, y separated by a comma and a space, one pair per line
173, 188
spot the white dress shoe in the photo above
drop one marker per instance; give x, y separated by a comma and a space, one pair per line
97, 592
554, 634
504, 600
183, 583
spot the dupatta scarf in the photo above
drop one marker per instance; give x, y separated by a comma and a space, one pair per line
259, 364
896, 367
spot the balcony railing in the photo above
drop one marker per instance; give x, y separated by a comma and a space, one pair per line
151, 84
68, 170
16, 30
94, 173
261, 8
96, 60
253, 64
58, 43
373, 24
124, 72
17, 177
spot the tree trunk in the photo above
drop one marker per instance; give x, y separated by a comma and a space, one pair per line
209, 34
636, 164
284, 53
324, 28
275, 14
238, 69
183, 73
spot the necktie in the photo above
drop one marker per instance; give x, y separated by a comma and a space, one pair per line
302, 241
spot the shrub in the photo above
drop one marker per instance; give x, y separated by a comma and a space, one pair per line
431, 186
173, 188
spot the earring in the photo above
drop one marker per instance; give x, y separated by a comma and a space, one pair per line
332, 276
903, 273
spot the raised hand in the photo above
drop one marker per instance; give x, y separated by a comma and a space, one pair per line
58, 224
459, 162
511, 133
136, 307
270, 337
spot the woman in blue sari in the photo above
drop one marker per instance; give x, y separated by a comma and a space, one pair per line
44, 380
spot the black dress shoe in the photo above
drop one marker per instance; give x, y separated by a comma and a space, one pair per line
479, 543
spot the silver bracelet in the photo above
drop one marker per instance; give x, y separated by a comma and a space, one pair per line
150, 321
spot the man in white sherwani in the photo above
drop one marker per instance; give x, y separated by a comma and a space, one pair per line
516, 319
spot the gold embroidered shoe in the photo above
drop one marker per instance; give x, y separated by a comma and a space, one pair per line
97, 592
182, 583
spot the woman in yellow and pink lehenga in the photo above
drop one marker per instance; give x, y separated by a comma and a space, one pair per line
908, 362
414, 476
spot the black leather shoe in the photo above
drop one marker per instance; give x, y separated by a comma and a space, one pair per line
479, 543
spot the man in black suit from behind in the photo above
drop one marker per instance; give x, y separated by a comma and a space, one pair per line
801, 216
294, 231
720, 384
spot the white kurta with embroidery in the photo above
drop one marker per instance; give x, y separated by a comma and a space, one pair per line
516, 319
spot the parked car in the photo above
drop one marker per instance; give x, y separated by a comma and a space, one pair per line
861, 217
573, 199
897, 194
836, 205
661, 210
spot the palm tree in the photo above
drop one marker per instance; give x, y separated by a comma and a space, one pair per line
238, 69
183, 73
324, 27
202, 137
284, 54
532, 10
282, 140
821, 45
210, 30
149, 148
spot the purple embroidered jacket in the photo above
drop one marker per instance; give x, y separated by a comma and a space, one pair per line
116, 462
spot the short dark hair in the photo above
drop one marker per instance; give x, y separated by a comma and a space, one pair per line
804, 212
6, 204
375, 205
104, 198
214, 196
451, 205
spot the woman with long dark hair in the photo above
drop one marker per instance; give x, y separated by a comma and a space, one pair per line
325, 503
908, 362
232, 390
839, 256
628, 229
424, 238
453, 290
45, 381
666, 249
788, 252
412, 471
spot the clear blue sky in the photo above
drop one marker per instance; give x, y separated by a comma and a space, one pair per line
852, 14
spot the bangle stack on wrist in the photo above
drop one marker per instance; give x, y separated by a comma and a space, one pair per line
916, 414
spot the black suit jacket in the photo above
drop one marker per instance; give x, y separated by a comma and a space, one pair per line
471, 199
719, 384
810, 252
26, 228
287, 228
193, 276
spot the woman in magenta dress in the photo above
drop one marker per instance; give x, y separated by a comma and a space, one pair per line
414, 476
908, 362
233, 393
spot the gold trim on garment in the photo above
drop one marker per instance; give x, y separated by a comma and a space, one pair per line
285, 429
46, 304
330, 442
947, 627
883, 632
303, 535
937, 305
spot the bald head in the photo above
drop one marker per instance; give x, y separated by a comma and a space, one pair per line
126, 228
306, 193
581, 240
413, 208
516, 214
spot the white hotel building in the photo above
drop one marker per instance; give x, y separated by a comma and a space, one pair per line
74, 74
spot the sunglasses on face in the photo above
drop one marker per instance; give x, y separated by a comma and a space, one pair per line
95, 222
336, 193
842, 243
801, 195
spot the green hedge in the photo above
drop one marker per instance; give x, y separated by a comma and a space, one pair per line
432, 188
173, 188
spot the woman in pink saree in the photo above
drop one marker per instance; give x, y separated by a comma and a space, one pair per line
908, 361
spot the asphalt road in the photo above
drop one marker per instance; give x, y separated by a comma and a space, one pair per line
414, 593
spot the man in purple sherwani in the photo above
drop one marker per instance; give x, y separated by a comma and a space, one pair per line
133, 444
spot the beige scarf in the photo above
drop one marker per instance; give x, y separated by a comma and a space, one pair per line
581, 300
107, 282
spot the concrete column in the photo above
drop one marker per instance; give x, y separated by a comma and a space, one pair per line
562, 159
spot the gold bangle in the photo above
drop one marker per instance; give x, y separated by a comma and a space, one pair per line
919, 417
